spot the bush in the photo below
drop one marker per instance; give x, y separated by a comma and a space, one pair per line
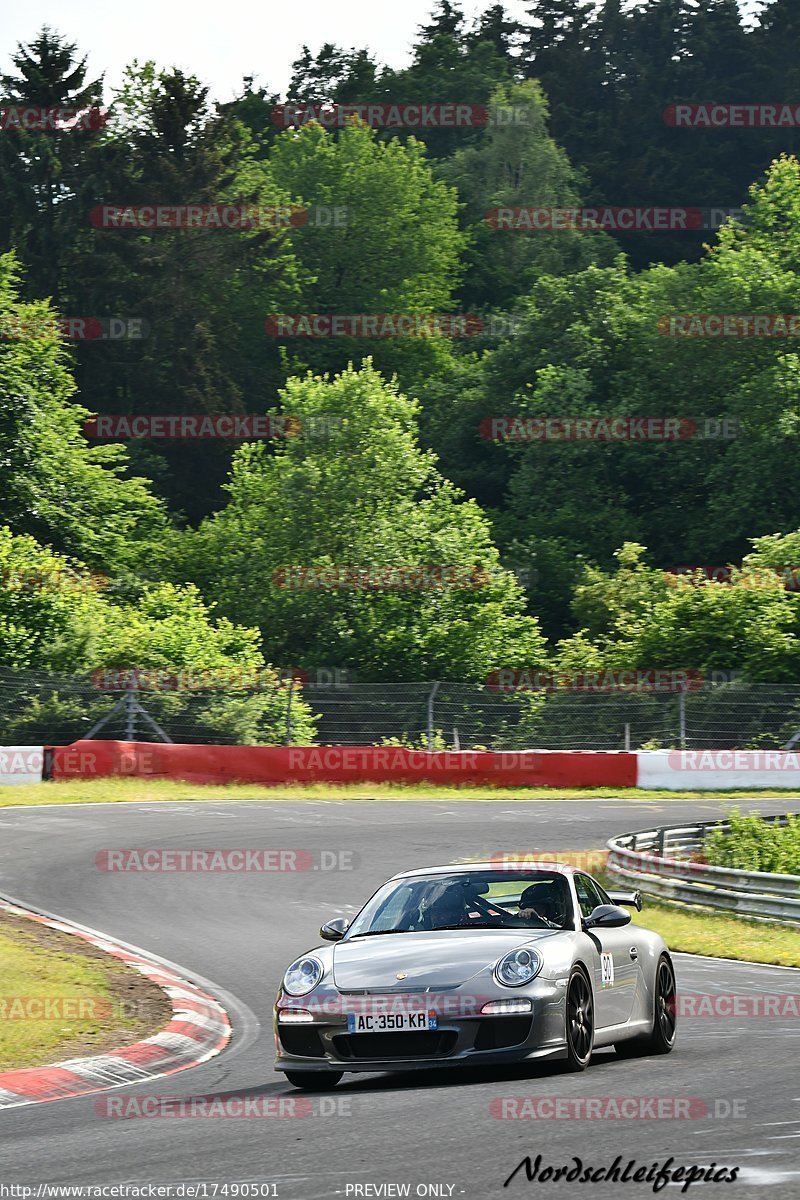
756, 845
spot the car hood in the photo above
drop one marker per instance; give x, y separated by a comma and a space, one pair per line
436, 959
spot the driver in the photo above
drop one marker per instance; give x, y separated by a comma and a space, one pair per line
456, 905
545, 901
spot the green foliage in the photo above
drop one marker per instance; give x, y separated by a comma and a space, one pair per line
401, 483
52, 484
365, 497
755, 845
56, 617
641, 617
396, 251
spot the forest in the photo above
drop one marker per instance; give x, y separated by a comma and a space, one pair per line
435, 400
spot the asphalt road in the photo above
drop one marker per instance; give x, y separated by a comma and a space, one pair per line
239, 931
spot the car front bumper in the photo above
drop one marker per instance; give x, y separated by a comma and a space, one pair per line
463, 1037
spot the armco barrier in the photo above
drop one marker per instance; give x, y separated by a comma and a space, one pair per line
706, 770
344, 764
21, 764
656, 861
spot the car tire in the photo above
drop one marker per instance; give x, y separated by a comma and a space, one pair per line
579, 1018
661, 1038
314, 1081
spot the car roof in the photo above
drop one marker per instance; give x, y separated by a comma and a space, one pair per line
502, 865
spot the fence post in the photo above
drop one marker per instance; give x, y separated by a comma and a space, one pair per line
431, 698
289, 712
130, 711
682, 717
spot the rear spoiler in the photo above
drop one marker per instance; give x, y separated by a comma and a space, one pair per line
629, 899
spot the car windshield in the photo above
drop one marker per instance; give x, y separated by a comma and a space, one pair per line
467, 900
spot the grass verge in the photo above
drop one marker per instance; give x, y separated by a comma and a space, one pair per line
719, 936
114, 789
62, 998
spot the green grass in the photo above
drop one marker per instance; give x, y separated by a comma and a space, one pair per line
721, 936
95, 1002
114, 789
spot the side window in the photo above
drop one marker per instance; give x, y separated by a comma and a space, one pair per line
588, 894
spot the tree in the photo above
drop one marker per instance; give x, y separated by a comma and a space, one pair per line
312, 534
397, 250
203, 292
40, 172
74, 497
334, 76
516, 164
641, 618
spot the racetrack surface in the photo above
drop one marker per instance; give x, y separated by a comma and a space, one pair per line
240, 930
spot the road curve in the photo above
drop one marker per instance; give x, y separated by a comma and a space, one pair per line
240, 929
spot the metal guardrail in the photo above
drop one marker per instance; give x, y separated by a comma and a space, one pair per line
657, 862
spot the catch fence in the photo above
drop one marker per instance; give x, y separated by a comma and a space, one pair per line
48, 708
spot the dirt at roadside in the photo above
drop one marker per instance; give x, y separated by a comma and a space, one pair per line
133, 1008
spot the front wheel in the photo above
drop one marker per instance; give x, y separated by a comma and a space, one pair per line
580, 1021
661, 1038
314, 1081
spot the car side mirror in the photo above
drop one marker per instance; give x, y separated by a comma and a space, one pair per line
606, 916
334, 931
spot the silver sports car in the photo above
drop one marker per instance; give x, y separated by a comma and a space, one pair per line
480, 964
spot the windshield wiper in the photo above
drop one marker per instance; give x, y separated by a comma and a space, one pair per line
380, 932
475, 925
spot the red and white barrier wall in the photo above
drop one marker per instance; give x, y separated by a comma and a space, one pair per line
674, 770
345, 764
21, 764
699, 770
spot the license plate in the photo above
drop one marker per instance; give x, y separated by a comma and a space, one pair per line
390, 1022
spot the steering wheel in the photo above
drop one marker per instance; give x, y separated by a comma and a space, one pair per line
539, 916
497, 913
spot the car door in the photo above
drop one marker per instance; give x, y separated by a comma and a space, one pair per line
616, 970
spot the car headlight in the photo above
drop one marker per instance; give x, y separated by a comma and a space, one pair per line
303, 976
518, 967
